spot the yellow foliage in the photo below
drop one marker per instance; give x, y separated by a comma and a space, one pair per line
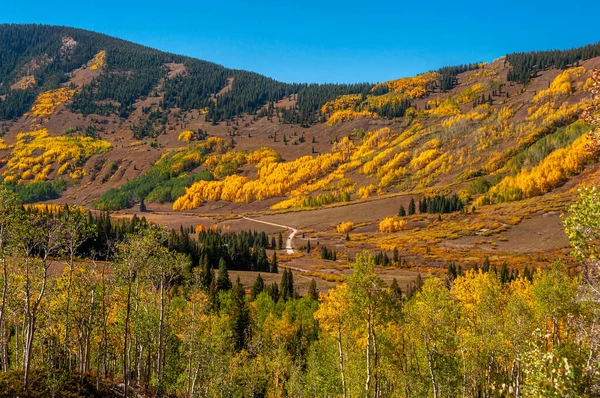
411, 87
548, 174
423, 159
36, 148
274, 179
186, 136
365, 191
78, 173
341, 103
470, 94
346, 115
25, 82
561, 86
344, 227
98, 61
47, 102
506, 113
392, 224
479, 113
446, 108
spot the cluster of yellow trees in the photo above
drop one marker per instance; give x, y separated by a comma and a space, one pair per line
343, 102
46, 103
448, 107
377, 152
98, 61
381, 153
470, 94
186, 136
25, 82
347, 115
415, 157
392, 224
411, 87
36, 154
344, 227
547, 175
274, 179
350, 107
478, 337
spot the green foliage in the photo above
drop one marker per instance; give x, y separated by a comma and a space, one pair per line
479, 186
39, 191
524, 66
562, 138
164, 182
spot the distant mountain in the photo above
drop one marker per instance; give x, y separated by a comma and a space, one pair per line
108, 123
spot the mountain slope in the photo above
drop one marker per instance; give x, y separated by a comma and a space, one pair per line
113, 124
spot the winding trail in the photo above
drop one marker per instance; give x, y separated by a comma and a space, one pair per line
288, 243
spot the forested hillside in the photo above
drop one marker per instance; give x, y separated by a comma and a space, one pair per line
207, 231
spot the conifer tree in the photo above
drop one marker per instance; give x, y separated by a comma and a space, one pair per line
402, 211
411, 207
223, 281
257, 287
486, 264
241, 316
313, 292
395, 291
274, 266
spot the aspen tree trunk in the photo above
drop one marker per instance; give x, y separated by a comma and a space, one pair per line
368, 349
192, 338
160, 332
341, 353
2, 316
375, 364
125, 340
32, 317
431, 373
68, 306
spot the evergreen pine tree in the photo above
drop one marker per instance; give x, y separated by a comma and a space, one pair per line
285, 293
504, 275
395, 291
241, 316
223, 282
411, 207
313, 292
273, 291
207, 274
257, 287
290, 285
402, 211
274, 266
486, 264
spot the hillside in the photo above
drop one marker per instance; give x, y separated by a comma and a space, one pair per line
498, 148
429, 236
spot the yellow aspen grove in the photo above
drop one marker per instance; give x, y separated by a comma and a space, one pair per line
46, 103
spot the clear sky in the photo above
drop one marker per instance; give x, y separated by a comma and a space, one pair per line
328, 41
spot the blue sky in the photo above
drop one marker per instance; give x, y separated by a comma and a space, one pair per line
328, 41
